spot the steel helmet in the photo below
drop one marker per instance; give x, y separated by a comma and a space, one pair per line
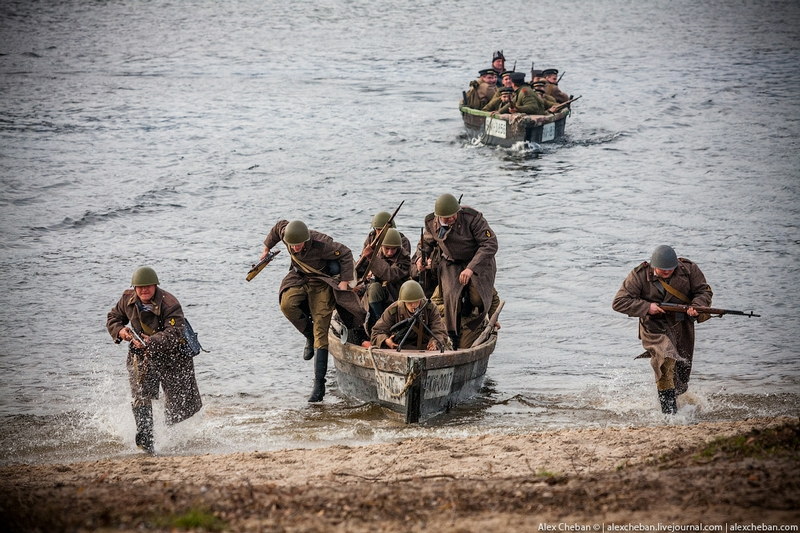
380, 219
392, 238
411, 291
664, 258
296, 232
144, 276
446, 206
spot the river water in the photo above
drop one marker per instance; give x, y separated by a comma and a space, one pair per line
175, 134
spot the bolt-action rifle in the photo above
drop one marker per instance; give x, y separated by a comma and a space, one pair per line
562, 105
681, 308
258, 267
409, 324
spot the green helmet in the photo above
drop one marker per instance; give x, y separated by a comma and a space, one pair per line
446, 206
380, 219
411, 291
392, 238
664, 258
144, 276
296, 233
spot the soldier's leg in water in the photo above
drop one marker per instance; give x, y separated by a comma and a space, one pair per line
321, 301
294, 300
144, 385
666, 387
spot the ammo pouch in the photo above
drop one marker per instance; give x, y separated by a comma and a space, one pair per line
189, 345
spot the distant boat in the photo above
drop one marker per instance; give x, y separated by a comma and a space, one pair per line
510, 129
415, 384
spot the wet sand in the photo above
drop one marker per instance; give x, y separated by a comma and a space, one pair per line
577, 479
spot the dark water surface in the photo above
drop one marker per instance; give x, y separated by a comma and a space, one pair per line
176, 134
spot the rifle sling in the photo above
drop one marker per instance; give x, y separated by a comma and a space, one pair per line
675, 292
306, 268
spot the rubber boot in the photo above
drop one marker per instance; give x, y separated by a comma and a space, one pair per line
308, 351
320, 369
144, 428
669, 403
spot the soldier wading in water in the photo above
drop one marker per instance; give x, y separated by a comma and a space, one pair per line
151, 320
668, 338
317, 283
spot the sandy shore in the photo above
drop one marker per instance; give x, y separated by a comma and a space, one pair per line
564, 479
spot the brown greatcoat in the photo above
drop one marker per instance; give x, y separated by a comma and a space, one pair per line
479, 94
418, 338
391, 272
669, 335
164, 361
553, 90
468, 243
319, 250
525, 100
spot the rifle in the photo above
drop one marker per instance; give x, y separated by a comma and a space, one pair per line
136, 336
490, 326
559, 78
562, 105
681, 308
376, 244
423, 274
258, 267
409, 324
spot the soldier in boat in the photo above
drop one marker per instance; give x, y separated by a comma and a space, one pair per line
466, 246
502, 98
388, 270
499, 66
525, 99
378, 221
481, 90
539, 87
550, 76
151, 320
668, 338
317, 283
424, 326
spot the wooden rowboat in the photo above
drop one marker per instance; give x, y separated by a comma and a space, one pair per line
417, 385
509, 129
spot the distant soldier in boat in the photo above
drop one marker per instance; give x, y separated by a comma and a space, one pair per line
317, 283
466, 246
389, 269
550, 76
525, 99
499, 66
502, 98
539, 87
481, 90
151, 320
412, 320
668, 338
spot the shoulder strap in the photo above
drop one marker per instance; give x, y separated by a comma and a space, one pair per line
675, 292
308, 269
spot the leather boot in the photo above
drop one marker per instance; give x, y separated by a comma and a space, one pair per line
669, 402
320, 369
144, 428
308, 351
455, 338
376, 309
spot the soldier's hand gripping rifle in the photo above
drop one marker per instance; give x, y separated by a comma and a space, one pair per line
681, 308
258, 267
409, 324
138, 338
375, 245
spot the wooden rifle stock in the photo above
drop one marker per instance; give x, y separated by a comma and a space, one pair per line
562, 105
376, 244
490, 326
681, 308
258, 267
